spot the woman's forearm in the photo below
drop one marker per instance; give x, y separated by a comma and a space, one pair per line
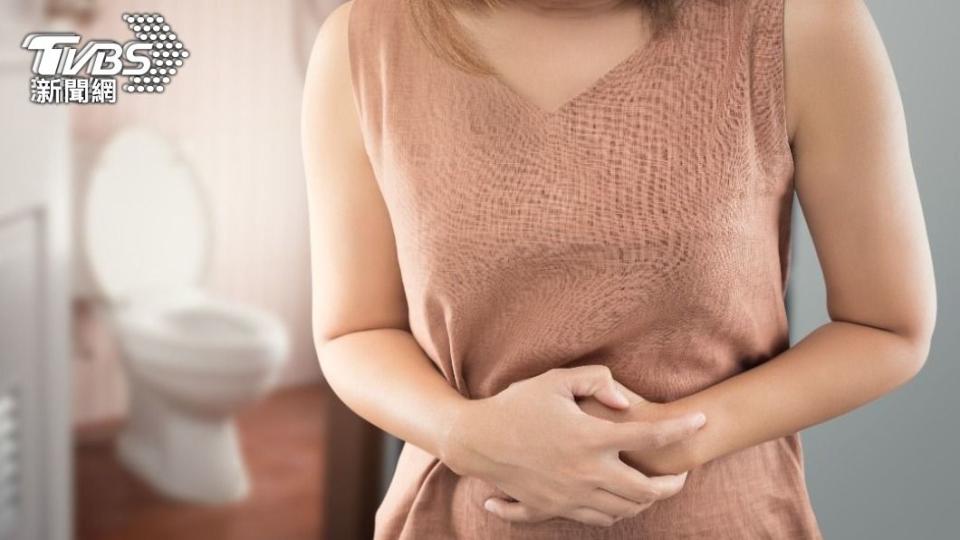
835, 369
384, 376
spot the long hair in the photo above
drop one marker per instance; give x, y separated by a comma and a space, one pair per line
445, 36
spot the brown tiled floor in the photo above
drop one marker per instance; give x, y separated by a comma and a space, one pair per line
281, 438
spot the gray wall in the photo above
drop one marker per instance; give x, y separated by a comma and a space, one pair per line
890, 469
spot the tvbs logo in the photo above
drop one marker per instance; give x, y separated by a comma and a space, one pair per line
64, 72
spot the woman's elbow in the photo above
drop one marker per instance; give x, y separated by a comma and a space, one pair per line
329, 327
326, 329
919, 339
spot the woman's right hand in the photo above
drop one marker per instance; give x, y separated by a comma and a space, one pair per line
534, 443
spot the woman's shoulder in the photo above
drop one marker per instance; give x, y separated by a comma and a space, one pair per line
822, 24
331, 47
328, 84
329, 56
829, 44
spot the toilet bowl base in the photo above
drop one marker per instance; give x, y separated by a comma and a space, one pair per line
183, 457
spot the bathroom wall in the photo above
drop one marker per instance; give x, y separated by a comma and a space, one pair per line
233, 109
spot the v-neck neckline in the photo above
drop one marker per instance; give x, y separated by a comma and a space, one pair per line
639, 57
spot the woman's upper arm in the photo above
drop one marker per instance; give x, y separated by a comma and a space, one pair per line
854, 176
355, 275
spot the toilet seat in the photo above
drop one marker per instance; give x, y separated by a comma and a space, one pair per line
194, 332
145, 220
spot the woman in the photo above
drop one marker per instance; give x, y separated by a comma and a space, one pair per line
551, 244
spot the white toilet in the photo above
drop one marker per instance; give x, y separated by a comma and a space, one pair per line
192, 360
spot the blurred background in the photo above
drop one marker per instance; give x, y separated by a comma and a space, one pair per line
101, 436
157, 373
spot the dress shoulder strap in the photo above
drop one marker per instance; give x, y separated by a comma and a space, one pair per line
381, 47
761, 50
365, 44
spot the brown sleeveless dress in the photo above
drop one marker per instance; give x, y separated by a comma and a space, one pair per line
644, 226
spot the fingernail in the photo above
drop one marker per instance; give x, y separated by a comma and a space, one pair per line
622, 399
488, 505
699, 419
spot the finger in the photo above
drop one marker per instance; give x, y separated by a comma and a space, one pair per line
596, 381
629, 483
632, 397
612, 505
513, 511
646, 506
518, 512
651, 435
590, 516
667, 485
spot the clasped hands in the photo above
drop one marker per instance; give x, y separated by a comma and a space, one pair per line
553, 443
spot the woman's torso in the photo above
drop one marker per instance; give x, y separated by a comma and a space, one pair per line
644, 225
